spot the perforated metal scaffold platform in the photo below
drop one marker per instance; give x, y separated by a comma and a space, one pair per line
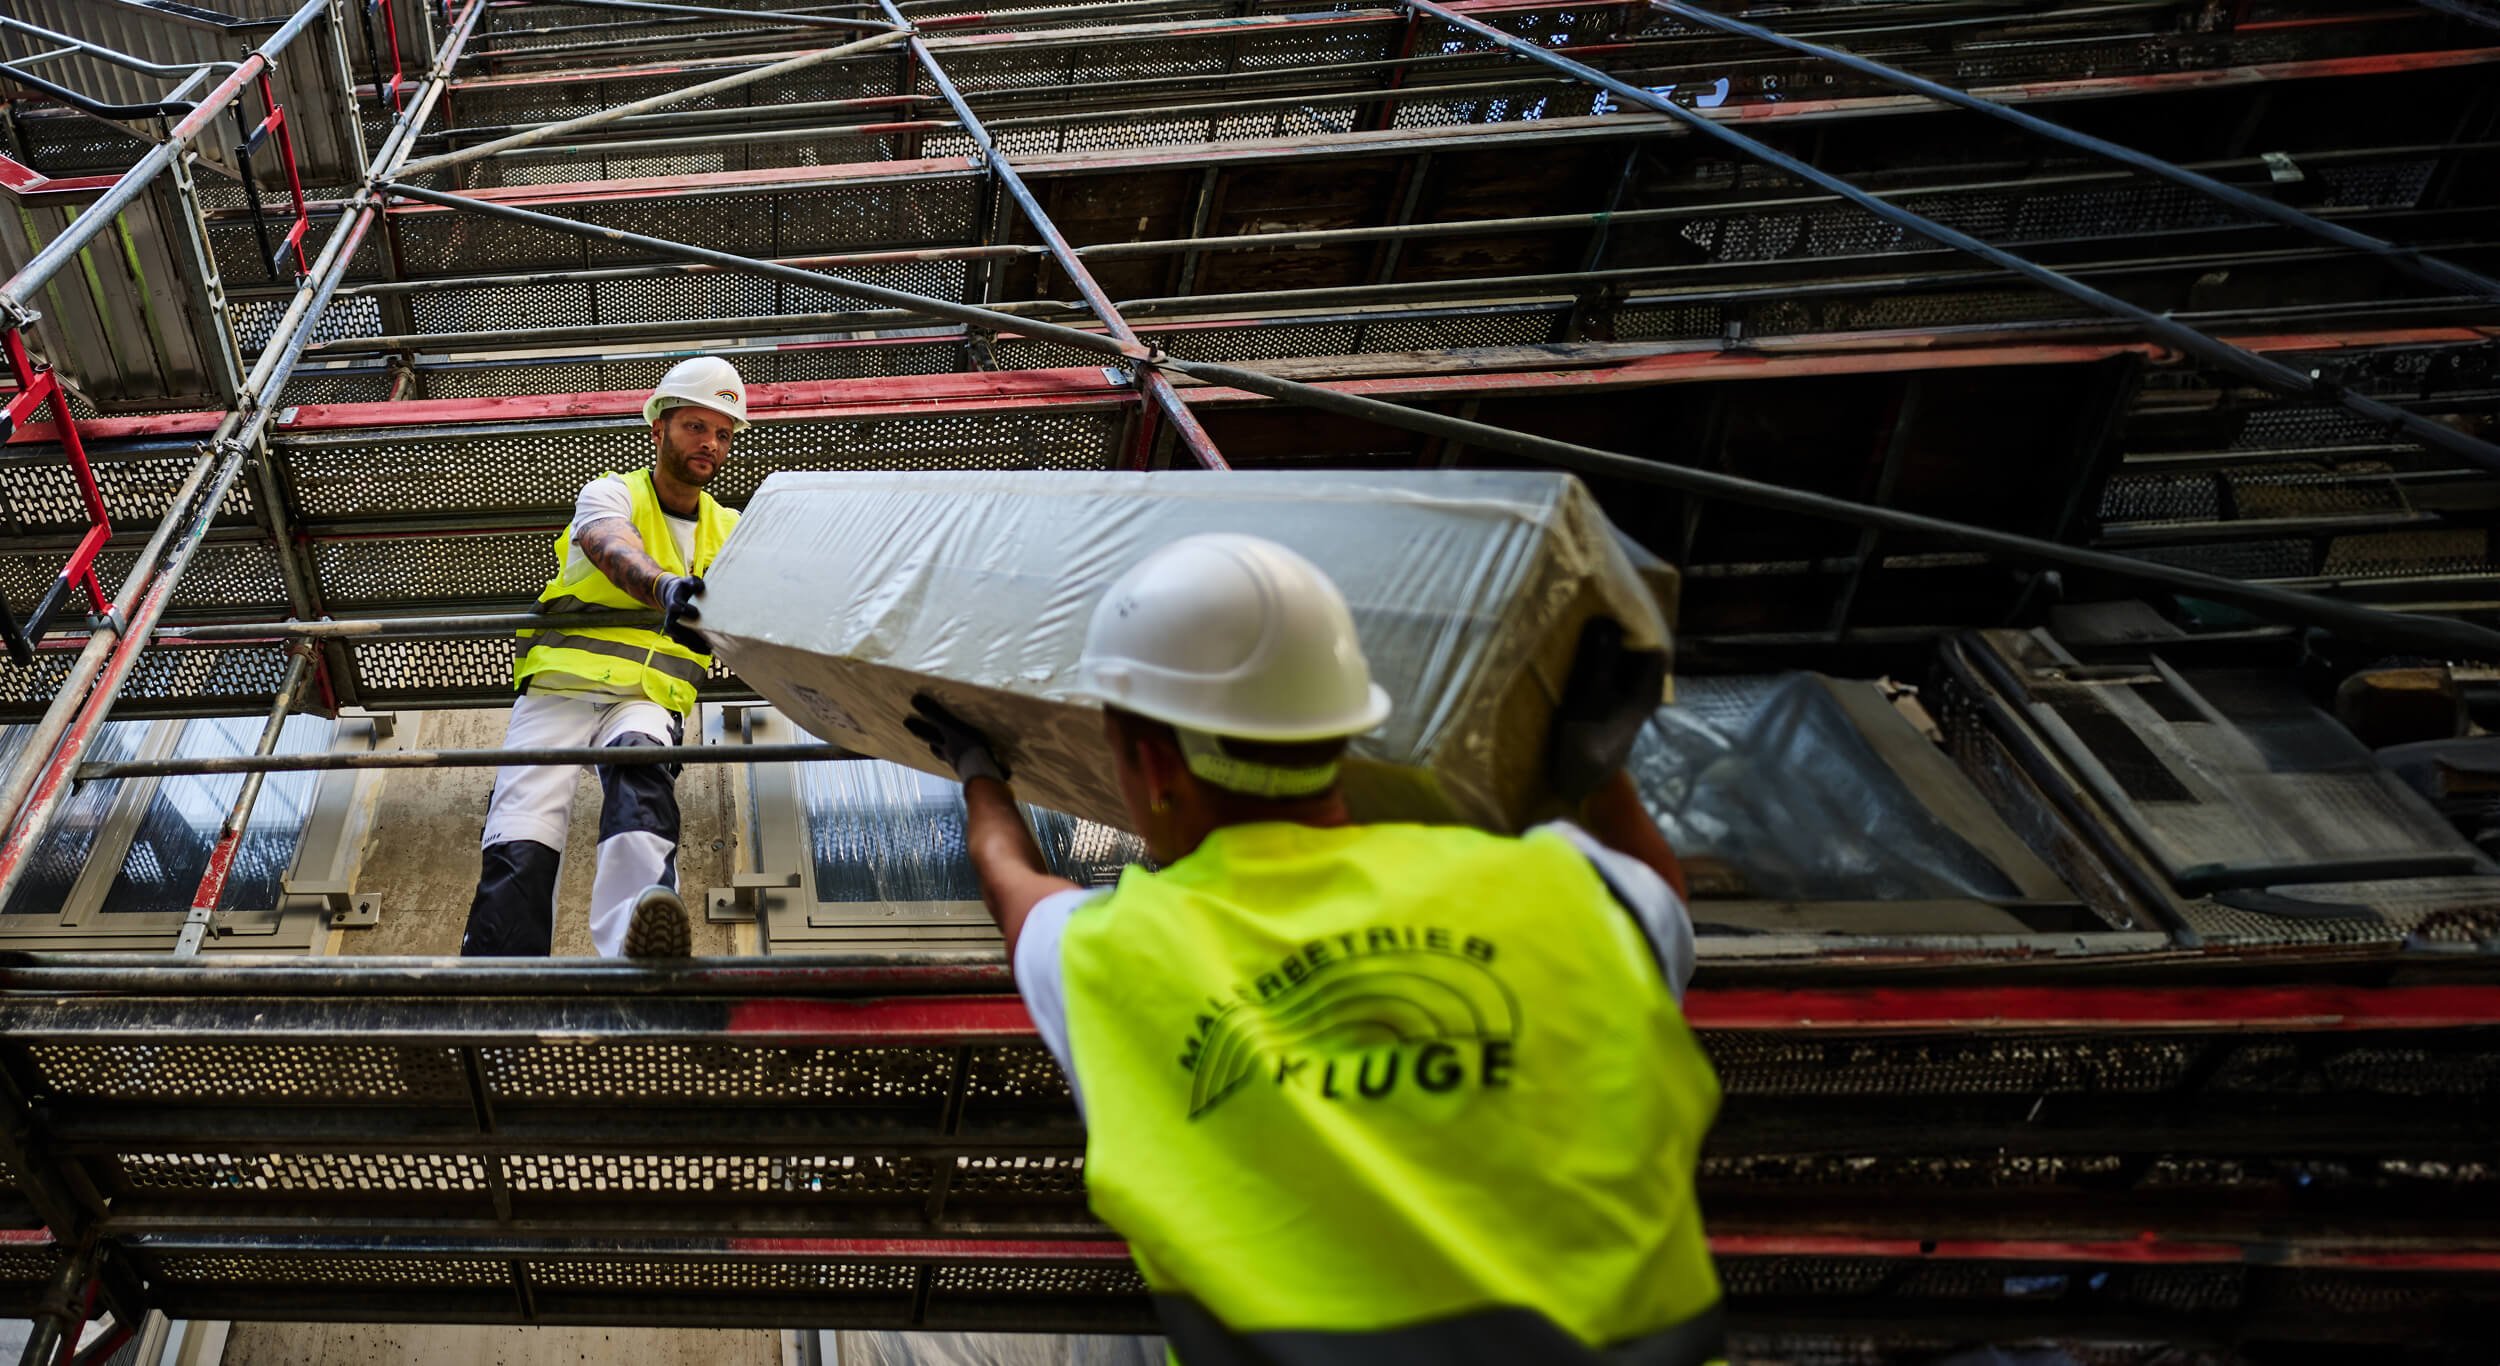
2193, 299
2237, 1164
1381, 201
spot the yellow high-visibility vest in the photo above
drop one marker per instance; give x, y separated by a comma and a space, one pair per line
626, 656
1372, 1077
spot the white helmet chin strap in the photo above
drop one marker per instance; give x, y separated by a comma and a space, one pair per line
1206, 758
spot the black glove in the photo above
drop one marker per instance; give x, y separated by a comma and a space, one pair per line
956, 743
676, 593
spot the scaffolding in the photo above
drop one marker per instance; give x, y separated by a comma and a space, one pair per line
2248, 359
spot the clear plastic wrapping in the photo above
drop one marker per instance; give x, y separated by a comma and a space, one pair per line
843, 594
1769, 775
998, 1349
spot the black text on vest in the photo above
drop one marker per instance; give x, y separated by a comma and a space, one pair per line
1360, 1016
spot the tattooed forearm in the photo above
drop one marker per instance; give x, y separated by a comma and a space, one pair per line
615, 547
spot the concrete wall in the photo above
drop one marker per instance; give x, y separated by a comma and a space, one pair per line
428, 1344
422, 859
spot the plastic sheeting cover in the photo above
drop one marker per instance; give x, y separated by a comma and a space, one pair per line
842, 594
997, 1349
1768, 774
880, 832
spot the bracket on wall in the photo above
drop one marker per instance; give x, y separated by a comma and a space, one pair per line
743, 897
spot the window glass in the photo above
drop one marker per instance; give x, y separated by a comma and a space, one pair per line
883, 832
176, 835
1083, 852
58, 859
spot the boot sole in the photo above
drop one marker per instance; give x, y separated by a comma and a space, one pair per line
659, 930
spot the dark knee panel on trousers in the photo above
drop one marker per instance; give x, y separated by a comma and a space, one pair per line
638, 798
514, 912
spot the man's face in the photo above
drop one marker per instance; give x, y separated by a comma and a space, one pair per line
694, 444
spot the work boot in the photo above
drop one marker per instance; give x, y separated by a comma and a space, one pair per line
659, 928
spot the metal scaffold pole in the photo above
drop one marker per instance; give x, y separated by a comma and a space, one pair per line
2428, 269
41, 778
212, 887
2211, 350
1185, 425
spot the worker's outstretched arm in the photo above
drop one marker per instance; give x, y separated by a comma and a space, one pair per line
1009, 864
1614, 814
1013, 877
612, 544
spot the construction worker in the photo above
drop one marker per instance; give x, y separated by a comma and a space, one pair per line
636, 540
1388, 1093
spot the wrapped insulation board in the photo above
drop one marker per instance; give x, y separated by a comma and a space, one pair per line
843, 594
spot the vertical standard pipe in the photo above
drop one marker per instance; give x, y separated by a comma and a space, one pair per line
101, 214
2212, 351
52, 784
63, 1310
212, 887
1150, 381
72, 693
39, 782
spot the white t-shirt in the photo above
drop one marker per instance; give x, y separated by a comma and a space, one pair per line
601, 499
1660, 912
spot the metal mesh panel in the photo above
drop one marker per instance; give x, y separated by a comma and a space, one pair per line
798, 1278
1893, 1172
1025, 1279
40, 494
237, 678
390, 672
2303, 424
364, 573
256, 1269
715, 1174
537, 102
1014, 1072
233, 574
1756, 1064
2161, 498
229, 1072
2400, 554
27, 1264
1019, 1177
926, 209
354, 1174
2280, 559
716, 1072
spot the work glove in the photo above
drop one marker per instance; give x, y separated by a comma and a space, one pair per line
677, 593
954, 741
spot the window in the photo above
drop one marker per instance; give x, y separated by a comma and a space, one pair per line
122, 859
170, 848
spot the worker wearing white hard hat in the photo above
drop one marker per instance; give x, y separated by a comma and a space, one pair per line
1378, 1093
637, 540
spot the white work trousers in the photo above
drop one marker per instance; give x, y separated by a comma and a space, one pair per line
638, 823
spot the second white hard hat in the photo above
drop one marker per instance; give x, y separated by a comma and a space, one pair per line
1235, 636
706, 381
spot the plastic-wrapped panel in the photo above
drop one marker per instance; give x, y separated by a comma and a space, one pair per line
842, 595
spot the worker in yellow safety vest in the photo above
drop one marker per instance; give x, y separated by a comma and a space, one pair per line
1354, 1093
636, 540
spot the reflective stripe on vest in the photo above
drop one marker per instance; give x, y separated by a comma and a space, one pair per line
685, 669
627, 657
1355, 1081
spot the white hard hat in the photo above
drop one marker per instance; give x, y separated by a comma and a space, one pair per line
1233, 636
705, 381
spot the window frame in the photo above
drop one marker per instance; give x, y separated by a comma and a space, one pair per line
329, 848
